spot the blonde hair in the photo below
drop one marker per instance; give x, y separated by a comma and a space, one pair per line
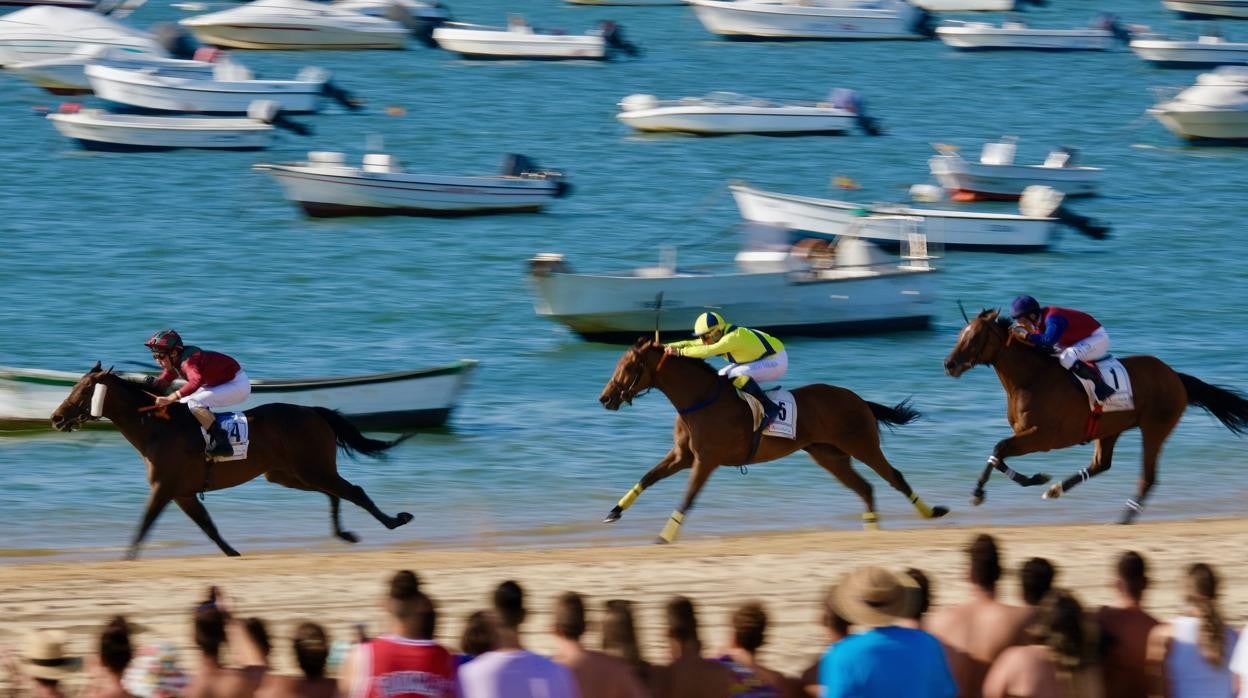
1201, 591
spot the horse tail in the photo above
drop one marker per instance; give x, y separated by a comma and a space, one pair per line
899, 414
1229, 406
351, 441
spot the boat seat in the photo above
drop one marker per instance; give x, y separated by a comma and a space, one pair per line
1059, 158
327, 157
381, 162
1001, 153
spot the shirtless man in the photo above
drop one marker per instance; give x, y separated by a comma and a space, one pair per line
976, 631
213, 624
1124, 630
598, 675
689, 675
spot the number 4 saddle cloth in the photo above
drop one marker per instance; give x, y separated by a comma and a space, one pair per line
785, 423
235, 425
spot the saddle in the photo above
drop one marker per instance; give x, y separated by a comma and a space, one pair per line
1115, 375
785, 423
235, 425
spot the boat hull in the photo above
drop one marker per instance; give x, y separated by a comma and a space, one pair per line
163, 93
705, 120
622, 308
1215, 9
630, 3
967, 38
740, 20
391, 401
124, 133
952, 229
1212, 125
1190, 54
66, 76
1007, 182
258, 35
475, 43
965, 5
322, 194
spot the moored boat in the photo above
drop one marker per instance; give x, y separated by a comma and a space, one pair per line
67, 75
296, 24
96, 129
521, 40
1214, 109
45, 32
1015, 35
1208, 9
1209, 50
230, 90
721, 113
996, 176
387, 401
813, 19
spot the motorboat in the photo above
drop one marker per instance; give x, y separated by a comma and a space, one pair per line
72, 4
1214, 109
425, 10
813, 19
728, 112
230, 90
296, 24
46, 32
325, 185
1213, 9
853, 287
96, 129
891, 225
1208, 50
969, 5
67, 75
521, 40
1016, 35
631, 3
996, 176
379, 401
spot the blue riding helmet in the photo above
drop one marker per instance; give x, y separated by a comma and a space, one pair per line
1024, 305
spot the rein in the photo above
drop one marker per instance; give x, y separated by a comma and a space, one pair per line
719, 388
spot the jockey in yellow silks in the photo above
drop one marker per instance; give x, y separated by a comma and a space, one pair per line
752, 356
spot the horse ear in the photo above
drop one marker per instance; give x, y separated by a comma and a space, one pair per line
110, 370
96, 368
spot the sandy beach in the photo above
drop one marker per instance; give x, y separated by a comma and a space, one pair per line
786, 571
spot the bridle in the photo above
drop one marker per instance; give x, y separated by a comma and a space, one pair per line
81, 414
629, 392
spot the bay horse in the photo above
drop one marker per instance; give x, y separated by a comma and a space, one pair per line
714, 427
291, 445
1048, 410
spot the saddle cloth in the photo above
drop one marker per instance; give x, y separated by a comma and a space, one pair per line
1114, 375
785, 423
235, 425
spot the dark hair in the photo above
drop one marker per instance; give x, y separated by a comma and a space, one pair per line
1133, 573
831, 619
749, 626
619, 634
115, 649
682, 621
1060, 626
259, 634
985, 563
210, 630
1201, 591
479, 635
509, 604
311, 646
570, 615
404, 585
1037, 578
925, 592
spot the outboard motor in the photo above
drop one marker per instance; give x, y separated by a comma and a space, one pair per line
420, 26
920, 21
1110, 21
516, 165
329, 89
268, 111
174, 39
1045, 202
1020, 4
850, 100
613, 37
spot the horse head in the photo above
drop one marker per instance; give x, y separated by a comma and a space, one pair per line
634, 374
980, 342
75, 410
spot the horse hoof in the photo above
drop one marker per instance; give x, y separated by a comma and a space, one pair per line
613, 515
401, 519
977, 499
130, 556
938, 512
660, 541
348, 537
1052, 493
233, 553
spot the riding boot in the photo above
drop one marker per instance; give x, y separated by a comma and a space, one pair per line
1087, 372
218, 441
770, 409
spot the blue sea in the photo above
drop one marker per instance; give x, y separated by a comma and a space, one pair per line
100, 250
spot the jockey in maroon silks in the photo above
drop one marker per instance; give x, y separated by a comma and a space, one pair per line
1074, 336
212, 380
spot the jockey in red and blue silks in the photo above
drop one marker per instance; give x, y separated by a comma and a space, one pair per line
1074, 336
212, 380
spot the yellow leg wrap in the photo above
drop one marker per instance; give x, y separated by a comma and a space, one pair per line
924, 510
870, 521
740, 381
627, 500
672, 528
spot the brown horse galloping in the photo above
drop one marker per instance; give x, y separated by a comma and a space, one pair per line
291, 445
1048, 410
714, 428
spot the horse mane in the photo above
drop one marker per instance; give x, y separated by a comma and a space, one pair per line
646, 343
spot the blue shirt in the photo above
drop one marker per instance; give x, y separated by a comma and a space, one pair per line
886, 662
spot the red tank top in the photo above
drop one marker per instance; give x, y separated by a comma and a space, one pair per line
401, 668
1079, 325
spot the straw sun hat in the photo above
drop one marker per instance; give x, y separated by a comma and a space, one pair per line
873, 596
45, 656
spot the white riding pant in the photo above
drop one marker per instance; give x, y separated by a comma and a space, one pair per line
1095, 346
767, 369
229, 393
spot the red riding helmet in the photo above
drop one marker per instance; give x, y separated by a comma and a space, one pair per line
164, 342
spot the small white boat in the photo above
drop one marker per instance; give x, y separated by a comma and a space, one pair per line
631, 3
72, 4
520, 40
43, 33
426, 10
996, 176
890, 225
325, 186
1215, 9
295, 24
728, 112
813, 19
1214, 109
1208, 50
968, 5
1015, 35
398, 400
96, 129
775, 286
67, 75
230, 90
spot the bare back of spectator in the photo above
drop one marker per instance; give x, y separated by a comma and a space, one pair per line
1124, 627
689, 675
311, 648
597, 675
